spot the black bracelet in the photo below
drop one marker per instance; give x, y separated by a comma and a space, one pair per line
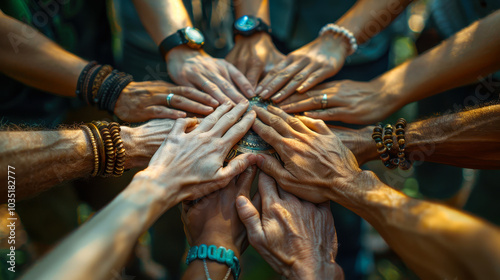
124, 81
107, 85
81, 78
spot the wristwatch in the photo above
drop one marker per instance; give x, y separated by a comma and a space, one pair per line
189, 36
248, 25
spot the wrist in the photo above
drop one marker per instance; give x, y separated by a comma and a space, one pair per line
133, 156
182, 52
257, 36
322, 270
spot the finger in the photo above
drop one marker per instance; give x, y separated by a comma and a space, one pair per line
315, 78
241, 81
162, 112
314, 103
236, 166
267, 133
245, 181
235, 133
226, 87
213, 118
282, 78
229, 119
274, 121
254, 72
182, 103
272, 167
318, 126
267, 185
294, 83
331, 114
181, 125
250, 217
299, 97
293, 122
207, 85
272, 74
195, 95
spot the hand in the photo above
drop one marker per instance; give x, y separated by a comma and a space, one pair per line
295, 237
216, 77
213, 220
348, 101
188, 166
304, 68
254, 55
142, 101
317, 166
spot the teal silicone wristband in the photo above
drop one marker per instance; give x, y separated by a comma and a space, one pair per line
220, 255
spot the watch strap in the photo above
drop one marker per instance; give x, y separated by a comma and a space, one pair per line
261, 27
171, 42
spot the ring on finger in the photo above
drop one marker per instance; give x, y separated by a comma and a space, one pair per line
324, 101
169, 99
204, 84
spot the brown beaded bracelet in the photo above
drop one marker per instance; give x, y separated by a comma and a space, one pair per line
119, 168
95, 152
384, 141
99, 79
108, 147
404, 163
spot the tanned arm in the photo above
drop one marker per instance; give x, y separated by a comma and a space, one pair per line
28, 56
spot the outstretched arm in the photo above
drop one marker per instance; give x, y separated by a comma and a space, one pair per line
467, 139
43, 159
464, 58
28, 56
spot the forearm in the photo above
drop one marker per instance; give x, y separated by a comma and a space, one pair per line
460, 60
368, 17
437, 242
467, 139
162, 18
31, 58
44, 158
99, 249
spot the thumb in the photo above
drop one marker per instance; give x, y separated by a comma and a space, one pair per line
250, 217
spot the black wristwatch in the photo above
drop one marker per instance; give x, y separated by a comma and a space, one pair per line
189, 36
248, 25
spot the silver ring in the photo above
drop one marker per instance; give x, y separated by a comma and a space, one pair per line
324, 101
204, 84
169, 98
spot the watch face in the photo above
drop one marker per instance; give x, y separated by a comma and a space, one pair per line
246, 23
194, 35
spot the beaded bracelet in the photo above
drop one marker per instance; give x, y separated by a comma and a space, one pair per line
343, 32
385, 145
99, 79
404, 163
114, 130
220, 255
109, 148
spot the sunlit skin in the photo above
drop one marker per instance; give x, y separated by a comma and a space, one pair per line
440, 139
35, 60
468, 56
100, 247
45, 158
435, 241
322, 58
187, 66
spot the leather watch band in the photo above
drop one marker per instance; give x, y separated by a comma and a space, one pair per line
171, 42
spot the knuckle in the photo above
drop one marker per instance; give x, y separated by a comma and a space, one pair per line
292, 121
298, 77
211, 119
274, 120
230, 117
316, 100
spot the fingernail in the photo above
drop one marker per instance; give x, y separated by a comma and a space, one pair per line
277, 96
241, 201
300, 88
251, 93
182, 115
243, 102
266, 91
310, 114
214, 102
258, 89
284, 107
